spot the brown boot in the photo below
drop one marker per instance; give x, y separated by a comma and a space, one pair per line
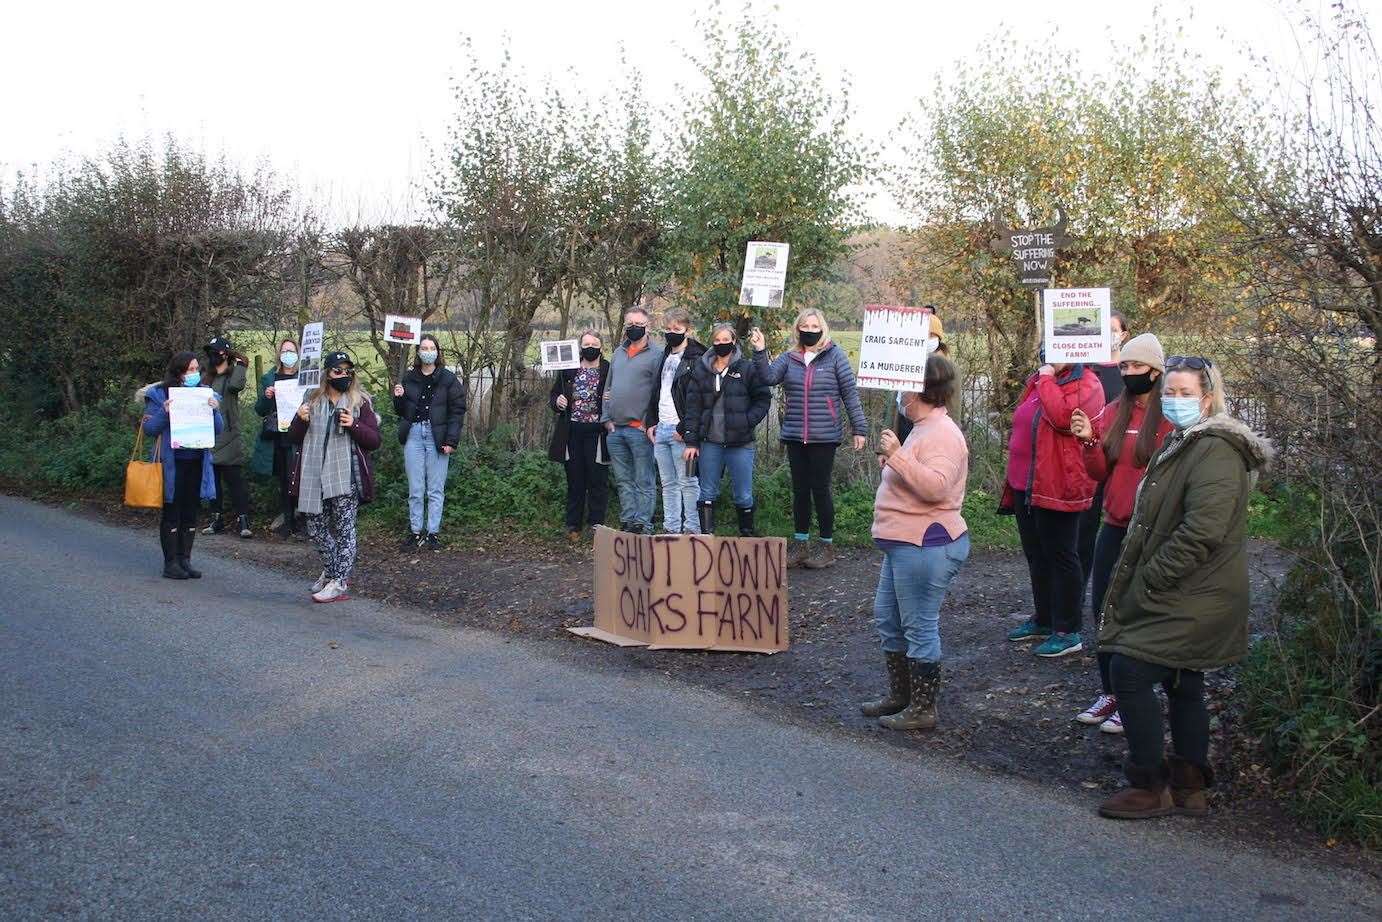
797, 551
920, 712
1188, 782
824, 557
899, 689
1147, 797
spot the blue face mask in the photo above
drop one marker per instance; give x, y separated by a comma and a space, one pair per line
1183, 412
192, 379
289, 359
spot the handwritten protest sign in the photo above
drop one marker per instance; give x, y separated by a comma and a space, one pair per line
694, 592
287, 399
560, 353
892, 350
1033, 251
765, 274
310, 355
405, 330
1076, 325
190, 420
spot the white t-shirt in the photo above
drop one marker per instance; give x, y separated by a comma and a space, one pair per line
808, 356
666, 409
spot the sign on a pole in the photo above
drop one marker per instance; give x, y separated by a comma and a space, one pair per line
310, 355
1032, 251
1076, 322
765, 274
892, 352
560, 353
405, 330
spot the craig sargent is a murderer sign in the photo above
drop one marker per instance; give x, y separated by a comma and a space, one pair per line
1077, 325
892, 350
692, 592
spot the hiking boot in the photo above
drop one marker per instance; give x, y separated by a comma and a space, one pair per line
1060, 645
1147, 798
431, 542
573, 535
410, 543
1114, 724
1028, 630
171, 568
798, 550
746, 522
216, 526
321, 582
1188, 782
333, 591
706, 511
185, 538
1104, 707
899, 688
286, 527
920, 712
244, 523
277, 523
823, 558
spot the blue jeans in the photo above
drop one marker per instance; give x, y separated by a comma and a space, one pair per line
631, 456
911, 587
679, 492
426, 469
739, 459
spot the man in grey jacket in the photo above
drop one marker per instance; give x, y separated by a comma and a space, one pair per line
633, 377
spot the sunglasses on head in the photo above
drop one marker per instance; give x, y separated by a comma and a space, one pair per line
1193, 362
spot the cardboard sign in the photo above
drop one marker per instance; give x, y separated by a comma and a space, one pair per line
287, 399
1032, 251
689, 592
892, 349
765, 274
1076, 324
310, 355
560, 353
405, 330
190, 420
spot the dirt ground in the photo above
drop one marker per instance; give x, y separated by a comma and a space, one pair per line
1001, 708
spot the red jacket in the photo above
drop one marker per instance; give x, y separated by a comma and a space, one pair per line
1059, 480
1120, 484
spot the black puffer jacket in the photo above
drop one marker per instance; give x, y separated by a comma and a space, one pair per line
690, 357
741, 391
448, 406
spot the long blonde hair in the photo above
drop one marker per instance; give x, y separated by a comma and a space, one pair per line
825, 327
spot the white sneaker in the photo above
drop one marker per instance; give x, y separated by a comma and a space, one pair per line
1113, 725
1104, 707
333, 591
320, 584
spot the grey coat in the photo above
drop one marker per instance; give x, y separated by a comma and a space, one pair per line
230, 445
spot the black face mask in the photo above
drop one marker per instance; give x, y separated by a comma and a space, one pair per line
590, 353
1137, 385
674, 339
340, 385
633, 333
723, 349
808, 339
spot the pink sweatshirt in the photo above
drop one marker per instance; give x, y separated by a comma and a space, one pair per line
924, 482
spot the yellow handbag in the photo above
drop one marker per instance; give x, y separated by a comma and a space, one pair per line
144, 479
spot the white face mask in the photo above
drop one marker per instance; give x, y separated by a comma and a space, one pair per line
932, 344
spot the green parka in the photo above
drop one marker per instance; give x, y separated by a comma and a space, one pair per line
1178, 596
230, 445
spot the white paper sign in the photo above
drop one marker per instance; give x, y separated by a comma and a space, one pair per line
892, 349
190, 420
560, 353
310, 355
1076, 324
765, 274
405, 330
287, 399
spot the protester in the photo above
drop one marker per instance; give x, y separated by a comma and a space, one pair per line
578, 439
226, 376
275, 455
1117, 445
679, 489
1047, 488
1110, 376
918, 526
631, 382
818, 386
935, 343
337, 428
1177, 605
188, 473
430, 403
725, 401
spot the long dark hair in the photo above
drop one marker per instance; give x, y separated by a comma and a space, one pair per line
177, 365
417, 360
1146, 436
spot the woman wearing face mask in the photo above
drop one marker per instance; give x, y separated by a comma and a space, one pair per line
935, 344
188, 474
725, 402
430, 403
819, 388
918, 526
1117, 444
1047, 487
1177, 605
337, 428
274, 454
226, 370
578, 438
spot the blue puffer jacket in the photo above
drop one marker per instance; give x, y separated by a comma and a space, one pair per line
815, 394
156, 424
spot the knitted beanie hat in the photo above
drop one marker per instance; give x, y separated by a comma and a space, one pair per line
1145, 349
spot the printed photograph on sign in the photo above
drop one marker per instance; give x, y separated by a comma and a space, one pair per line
1076, 325
558, 354
892, 348
765, 274
404, 330
310, 355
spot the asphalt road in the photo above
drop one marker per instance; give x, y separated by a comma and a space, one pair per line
226, 749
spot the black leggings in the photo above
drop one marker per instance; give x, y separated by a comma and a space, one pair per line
587, 480
1090, 521
1106, 550
1134, 682
283, 471
811, 464
232, 476
187, 484
1050, 542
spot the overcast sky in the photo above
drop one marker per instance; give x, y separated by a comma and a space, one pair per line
343, 97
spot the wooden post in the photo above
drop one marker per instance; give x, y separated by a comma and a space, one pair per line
1037, 315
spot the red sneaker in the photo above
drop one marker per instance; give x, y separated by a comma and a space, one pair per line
1104, 707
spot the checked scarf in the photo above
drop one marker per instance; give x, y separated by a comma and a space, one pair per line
326, 468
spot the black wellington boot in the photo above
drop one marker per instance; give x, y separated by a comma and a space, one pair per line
707, 514
899, 689
746, 522
168, 537
185, 538
920, 712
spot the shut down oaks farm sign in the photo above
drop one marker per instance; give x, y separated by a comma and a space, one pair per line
694, 592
